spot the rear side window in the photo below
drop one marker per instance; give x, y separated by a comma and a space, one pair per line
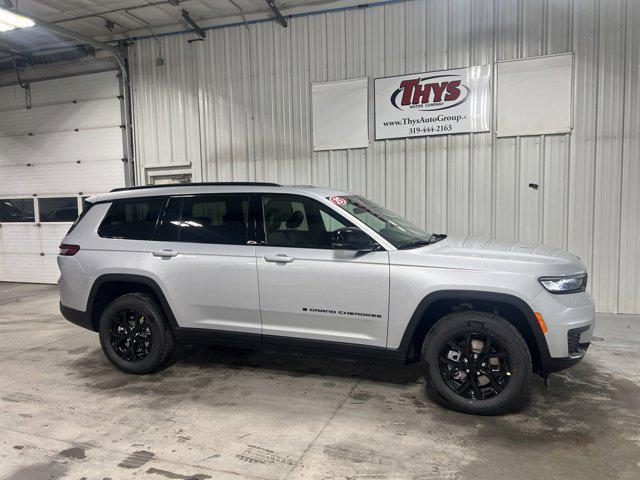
86, 206
131, 219
217, 219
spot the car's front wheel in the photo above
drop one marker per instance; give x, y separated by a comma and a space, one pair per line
476, 362
134, 334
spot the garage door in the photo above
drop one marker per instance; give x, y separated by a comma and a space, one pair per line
60, 141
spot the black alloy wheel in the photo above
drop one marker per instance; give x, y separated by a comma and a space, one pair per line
130, 335
475, 366
476, 362
135, 335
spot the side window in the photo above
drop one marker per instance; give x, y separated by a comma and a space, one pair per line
292, 221
131, 219
216, 219
17, 210
61, 209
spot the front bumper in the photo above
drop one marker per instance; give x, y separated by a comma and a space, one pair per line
570, 321
577, 351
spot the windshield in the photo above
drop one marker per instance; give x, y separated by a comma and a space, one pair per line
398, 231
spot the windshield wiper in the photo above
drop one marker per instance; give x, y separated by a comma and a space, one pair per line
435, 237
414, 244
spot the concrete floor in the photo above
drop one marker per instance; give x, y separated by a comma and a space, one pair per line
65, 412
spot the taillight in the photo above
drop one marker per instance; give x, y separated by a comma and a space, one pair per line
68, 250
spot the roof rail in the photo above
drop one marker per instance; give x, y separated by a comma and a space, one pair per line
200, 184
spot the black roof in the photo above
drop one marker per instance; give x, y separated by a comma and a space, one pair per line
200, 184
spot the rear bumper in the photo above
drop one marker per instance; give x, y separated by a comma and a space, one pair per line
78, 317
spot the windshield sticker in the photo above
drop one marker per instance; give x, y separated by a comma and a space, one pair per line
338, 201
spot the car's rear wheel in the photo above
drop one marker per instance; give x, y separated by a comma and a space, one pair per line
134, 334
476, 362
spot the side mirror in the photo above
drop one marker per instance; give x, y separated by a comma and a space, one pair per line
352, 238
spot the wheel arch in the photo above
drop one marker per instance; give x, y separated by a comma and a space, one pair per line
438, 304
109, 286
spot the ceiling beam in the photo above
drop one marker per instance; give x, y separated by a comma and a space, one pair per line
276, 12
9, 50
193, 24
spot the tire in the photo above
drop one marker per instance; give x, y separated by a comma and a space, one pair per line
507, 366
147, 342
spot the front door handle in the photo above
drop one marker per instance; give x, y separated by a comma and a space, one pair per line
164, 253
279, 258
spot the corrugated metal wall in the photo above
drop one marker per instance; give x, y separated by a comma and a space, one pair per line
237, 107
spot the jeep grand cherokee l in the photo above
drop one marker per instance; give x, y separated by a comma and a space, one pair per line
316, 269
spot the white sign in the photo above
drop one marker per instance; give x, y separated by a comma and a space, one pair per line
340, 115
433, 103
525, 103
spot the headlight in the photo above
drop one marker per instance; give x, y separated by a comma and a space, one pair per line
569, 284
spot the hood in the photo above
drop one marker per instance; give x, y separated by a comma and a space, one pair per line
490, 254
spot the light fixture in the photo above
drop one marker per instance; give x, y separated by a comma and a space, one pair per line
10, 20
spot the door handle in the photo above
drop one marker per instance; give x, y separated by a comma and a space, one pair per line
279, 258
164, 253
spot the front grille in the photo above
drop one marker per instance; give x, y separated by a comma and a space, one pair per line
573, 340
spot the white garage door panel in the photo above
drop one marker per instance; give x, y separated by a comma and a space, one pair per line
59, 178
63, 162
29, 238
51, 235
64, 117
19, 238
98, 144
85, 87
32, 268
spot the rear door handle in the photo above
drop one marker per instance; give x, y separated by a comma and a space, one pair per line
164, 253
279, 258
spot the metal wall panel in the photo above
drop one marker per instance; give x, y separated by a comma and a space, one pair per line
629, 283
237, 107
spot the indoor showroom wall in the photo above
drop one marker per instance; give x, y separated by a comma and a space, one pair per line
237, 106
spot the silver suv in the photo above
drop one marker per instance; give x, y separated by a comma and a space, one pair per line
314, 269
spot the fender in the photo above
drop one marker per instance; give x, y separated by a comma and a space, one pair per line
464, 295
131, 278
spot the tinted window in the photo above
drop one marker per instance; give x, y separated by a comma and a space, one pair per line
16, 210
220, 219
131, 219
392, 227
63, 209
86, 205
299, 222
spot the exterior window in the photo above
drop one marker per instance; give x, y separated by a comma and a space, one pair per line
17, 210
132, 219
62, 209
299, 222
217, 219
392, 227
